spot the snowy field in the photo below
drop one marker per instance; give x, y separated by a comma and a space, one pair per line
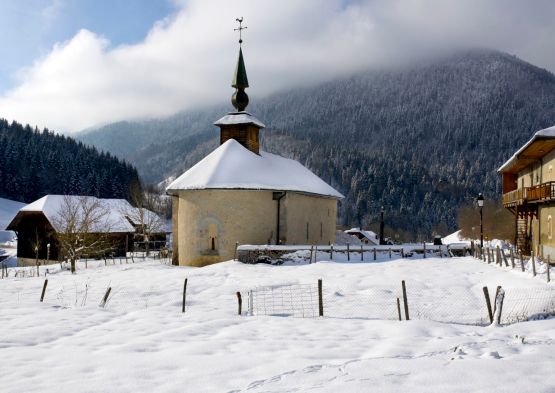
48, 347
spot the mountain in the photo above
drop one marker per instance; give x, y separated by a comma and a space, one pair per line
420, 140
35, 163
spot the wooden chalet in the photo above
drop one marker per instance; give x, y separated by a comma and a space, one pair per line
529, 193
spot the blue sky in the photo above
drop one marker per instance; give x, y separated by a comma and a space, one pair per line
30, 28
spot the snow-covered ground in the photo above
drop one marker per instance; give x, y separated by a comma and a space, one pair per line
45, 347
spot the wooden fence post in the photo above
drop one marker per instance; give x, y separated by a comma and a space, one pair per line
533, 264
488, 304
399, 309
500, 306
548, 278
315, 252
521, 261
240, 301
235, 254
424, 243
374, 253
43, 290
405, 300
512, 258
489, 255
361, 253
494, 299
38, 274
402, 252
320, 299
464, 251
311, 250
504, 258
331, 252
389, 252
348, 253
184, 295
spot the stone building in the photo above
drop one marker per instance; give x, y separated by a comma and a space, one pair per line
241, 194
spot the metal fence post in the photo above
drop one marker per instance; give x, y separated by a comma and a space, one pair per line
405, 300
184, 295
320, 300
43, 290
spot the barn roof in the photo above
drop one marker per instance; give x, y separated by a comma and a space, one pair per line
367, 234
49, 205
231, 166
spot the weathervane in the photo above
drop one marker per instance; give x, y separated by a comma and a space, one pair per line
240, 20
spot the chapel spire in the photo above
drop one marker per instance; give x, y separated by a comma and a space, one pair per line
240, 125
240, 99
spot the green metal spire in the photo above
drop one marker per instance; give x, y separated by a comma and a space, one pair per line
240, 77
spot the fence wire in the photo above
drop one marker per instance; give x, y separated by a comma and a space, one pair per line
441, 304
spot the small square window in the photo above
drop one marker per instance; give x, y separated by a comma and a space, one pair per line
226, 134
242, 133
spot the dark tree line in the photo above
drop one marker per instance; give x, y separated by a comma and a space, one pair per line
35, 163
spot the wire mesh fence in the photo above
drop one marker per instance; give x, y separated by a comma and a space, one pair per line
459, 305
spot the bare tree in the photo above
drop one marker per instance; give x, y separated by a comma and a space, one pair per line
83, 227
36, 244
143, 212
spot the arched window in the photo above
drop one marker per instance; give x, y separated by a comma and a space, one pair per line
212, 237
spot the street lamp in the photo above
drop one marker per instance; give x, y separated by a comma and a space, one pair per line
480, 201
381, 227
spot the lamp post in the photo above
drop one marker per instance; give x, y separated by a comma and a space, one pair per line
480, 201
381, 226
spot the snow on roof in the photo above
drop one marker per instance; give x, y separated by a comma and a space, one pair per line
232, 166
49, 205
545, 133
239, 118
368, 234
8, 210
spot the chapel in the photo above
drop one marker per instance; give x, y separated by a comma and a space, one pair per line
239, 194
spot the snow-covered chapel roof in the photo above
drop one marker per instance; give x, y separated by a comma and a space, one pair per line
232, 166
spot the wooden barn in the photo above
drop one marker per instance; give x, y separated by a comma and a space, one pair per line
34, 225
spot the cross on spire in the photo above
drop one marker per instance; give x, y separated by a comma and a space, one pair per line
240, 29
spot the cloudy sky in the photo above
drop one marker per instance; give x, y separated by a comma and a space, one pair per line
72, 64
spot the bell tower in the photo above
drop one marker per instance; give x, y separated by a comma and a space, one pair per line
240, 125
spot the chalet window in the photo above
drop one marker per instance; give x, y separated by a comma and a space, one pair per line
307, 229
242, 133
549, 227
226, 134
321, 229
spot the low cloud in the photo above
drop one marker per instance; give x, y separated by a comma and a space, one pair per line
187, 59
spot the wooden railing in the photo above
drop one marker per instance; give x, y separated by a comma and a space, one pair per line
541, 192
544, 191
517, 195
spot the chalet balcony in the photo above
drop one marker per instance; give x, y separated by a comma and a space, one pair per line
514, 198
544, 192
541, 193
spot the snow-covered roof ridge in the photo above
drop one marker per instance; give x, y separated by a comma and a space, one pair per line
232, 166
49, 205
369, 234
545, 133
239, 118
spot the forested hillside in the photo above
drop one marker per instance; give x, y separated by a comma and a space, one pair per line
35, 163
419, 141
